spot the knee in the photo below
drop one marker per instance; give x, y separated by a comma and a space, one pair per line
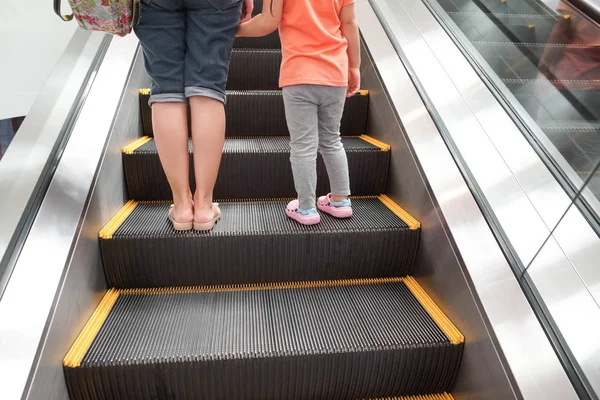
304, 151
331, 145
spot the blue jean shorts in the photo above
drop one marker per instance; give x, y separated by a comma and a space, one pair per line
187, 46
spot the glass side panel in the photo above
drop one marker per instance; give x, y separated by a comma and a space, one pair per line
544, 57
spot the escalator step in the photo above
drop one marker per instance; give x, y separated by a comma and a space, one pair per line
315, 340
252, 69
261, 113
270, 41
441, 396
256, 242
256, 168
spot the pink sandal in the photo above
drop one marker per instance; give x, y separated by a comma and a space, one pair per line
339, 209
305, 217
208, 225
179, 226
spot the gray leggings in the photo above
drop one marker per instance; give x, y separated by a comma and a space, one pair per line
313, 116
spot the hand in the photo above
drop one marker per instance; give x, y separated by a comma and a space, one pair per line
353, 81
247, 9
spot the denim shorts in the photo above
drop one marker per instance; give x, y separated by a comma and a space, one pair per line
187, 46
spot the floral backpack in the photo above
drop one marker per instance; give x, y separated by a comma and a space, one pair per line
117, 17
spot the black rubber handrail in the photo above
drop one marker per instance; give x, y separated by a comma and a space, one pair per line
591, 8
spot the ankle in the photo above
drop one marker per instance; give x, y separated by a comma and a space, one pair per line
337, 199
203, 204
183, 199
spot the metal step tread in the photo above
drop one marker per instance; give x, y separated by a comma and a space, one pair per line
325, 335
256, 242
145, 219
269, 144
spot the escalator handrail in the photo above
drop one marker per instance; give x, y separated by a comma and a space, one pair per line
589, 8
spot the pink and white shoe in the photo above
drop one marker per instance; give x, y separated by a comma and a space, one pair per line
305, 217
338, 209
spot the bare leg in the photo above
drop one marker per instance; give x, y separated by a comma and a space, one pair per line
169, 121
208, 135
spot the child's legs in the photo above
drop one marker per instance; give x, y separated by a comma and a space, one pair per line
301, 116
331, 148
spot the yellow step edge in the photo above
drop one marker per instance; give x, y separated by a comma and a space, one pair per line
363, 92
434, 311
258, 286
412, 223
91, 329
133, 146
375, 142
111, 227
441, 396
145, 92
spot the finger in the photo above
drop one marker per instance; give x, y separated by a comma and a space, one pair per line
351, 91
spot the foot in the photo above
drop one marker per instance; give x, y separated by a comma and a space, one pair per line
305, 217
337, 206
181, 221
205, 220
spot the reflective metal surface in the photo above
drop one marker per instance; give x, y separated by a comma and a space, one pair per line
518, 193
543, 60
84, 284
26, 169
522, 341
438, 269
29, 301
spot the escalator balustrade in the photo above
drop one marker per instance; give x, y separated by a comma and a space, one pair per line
549, 59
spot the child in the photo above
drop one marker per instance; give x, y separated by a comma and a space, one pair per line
320, 68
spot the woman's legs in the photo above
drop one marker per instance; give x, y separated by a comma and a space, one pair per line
209, 37
208, 136
169, 121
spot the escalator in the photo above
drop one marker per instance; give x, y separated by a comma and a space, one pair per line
262, 307
547, 55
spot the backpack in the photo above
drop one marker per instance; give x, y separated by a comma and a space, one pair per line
117, 17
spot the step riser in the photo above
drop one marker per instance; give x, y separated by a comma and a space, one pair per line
263, 114
254, 70
328, 376
181, 261
251, 176
270, 42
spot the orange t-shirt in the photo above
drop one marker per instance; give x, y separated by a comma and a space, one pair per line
312, 45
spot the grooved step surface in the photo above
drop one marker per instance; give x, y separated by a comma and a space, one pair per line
253, 69
257, 168
335, 342
256, 242
261, 113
